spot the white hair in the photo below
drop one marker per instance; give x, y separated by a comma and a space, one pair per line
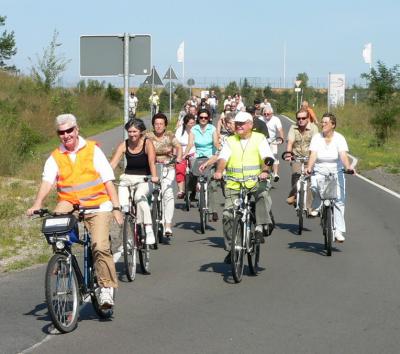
268, 109
66, 118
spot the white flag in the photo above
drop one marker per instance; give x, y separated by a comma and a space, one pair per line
180, 54
367, 53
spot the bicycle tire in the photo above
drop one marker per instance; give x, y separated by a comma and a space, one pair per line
237, 249
300, 208
104, 313
144, 259
203, 214
187, 196
62, 294
253, 257
155, 218
329, 231
129, 243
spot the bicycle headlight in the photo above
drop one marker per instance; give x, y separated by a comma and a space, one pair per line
327, 202
60, 245
237, 202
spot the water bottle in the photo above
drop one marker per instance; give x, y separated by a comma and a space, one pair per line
74, 235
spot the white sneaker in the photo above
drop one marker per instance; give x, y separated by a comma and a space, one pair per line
150, 239
106, 297
339, 236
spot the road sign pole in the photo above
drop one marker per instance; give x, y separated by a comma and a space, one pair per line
126, 77
170, 94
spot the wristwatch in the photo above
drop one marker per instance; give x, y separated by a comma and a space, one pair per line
116, 208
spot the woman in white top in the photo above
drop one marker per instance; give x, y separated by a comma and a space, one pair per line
328, 154
182, 135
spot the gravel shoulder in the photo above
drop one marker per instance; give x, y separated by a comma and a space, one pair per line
380, 176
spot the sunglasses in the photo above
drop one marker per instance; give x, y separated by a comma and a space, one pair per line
66, 131
203, 117
301, 118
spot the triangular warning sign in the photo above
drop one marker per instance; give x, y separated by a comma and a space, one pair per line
153, 79
170, 74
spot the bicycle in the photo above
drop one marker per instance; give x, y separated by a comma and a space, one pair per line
301, 187
327, 189
243, 235
66, 287
134, 236
157, 209
187, 182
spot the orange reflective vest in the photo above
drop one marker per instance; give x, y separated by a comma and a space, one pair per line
78, 182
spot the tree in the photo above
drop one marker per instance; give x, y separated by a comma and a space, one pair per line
304, 80
7, 46
50, 66
231, 89
384, 99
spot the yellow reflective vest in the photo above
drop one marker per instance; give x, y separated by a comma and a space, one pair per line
245, 162
78, 182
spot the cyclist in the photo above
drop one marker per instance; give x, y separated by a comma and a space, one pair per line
328, 153
182, 135
165, 145
132, 103
140, 162
83, 176
299, 138
275, 129
204, 138
243, 156
259, 125
154, 101
313, 117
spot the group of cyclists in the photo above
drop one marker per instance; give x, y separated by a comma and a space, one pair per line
241, 144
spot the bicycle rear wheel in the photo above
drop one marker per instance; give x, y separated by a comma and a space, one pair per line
130, 247
203, 214
328, 231
237, 249
253, 257
300, 208
62, 295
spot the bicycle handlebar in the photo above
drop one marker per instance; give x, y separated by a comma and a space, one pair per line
292, 157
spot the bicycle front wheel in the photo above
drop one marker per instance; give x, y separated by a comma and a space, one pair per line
328, 231
155, 217
187, 197
130, 247
300, 209
144, 258
62, 294
253, 257
203, 214
237, 249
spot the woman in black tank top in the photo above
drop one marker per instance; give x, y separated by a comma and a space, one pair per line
140, 157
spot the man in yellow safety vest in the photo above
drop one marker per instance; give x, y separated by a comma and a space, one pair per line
243, 156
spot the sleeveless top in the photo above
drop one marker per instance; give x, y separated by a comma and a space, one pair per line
137, 164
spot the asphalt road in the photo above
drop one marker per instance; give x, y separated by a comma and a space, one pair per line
301, 302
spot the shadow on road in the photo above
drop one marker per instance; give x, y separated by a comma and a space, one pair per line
311, 247
216, 242
220, 268
194, 226
292, 228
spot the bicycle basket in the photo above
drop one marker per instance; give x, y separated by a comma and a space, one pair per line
60, 225
327, 187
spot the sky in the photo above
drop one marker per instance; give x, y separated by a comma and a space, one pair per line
223, 39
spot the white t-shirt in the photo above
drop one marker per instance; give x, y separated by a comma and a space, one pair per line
101, 165
273, 125
183, 139
328, 154
133, 101
263, 149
